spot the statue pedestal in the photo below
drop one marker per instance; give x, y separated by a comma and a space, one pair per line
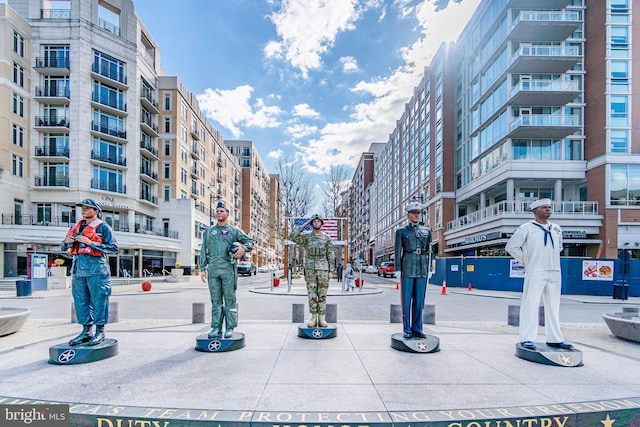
217, 345
317, 332
550, 355
64, 354
430, 344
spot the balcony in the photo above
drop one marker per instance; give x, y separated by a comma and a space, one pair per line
149, 148
47, 151
108, 186
112, 75
52, 94
51, 181
194, 173
52, 123
112, 104
108, 158
115, 132
55, 14
553, 126
504, 209
148, 198
194, 151
53, 65
148, 126
148, 173
37, 220
539, 4
148, 100
544, 59
544, 92
112, 28
194, 134
544, 25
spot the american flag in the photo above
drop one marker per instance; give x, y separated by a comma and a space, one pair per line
330, 226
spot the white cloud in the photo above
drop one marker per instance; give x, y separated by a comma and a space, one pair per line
349, 64
232, 108
307, 29
275, 154
300, 130
303, 110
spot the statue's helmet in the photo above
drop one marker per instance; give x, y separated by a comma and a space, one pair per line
316, 216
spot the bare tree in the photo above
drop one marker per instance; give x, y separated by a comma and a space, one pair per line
333, 188
297, 194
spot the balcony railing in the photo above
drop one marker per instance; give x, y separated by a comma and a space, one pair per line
150, 148
108, 158
108, 186
543, 51
52, 91
112, 28
105, 70
51, 181
149, 123
55, 14
546, 16
109, 130
149, 173
107, 100
52, 62
46, 151
545, 120
147, 94
149, 198
521, 207
546, 86
52, 121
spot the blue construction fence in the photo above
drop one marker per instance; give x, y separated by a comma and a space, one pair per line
497, 274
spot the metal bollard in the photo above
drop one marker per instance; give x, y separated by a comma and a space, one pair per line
297, 313
197, 312
395, 313
331, 316
114, 312
513, 315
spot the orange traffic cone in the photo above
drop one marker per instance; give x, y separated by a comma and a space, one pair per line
444, 288
469, 287
397, 285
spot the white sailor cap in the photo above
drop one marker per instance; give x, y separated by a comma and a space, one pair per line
538, 203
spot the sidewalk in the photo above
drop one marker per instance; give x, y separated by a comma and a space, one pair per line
353, 379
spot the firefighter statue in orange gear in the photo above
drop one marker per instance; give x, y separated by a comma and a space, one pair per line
89, 241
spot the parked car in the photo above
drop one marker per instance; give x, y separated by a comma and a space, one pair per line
386, 269
246, 268
372, 269
360, 267
263, 269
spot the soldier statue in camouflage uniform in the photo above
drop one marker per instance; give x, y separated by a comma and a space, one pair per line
222, 245
318, 265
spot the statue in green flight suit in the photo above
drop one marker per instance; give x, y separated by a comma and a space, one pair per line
222, 245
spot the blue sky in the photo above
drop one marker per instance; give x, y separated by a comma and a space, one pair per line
315, 81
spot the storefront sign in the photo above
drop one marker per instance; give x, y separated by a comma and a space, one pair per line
574, 234
482, 238
597, 270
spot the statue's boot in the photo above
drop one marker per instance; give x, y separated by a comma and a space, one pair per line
214, 332
99, 336
321, 322
228, 333
314, 321
83, 337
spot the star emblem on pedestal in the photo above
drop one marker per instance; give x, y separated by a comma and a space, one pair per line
66, 356
214, 345
565, 360
608, 422
317, 333
422, 346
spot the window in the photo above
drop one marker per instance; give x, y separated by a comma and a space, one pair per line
18, 105
184, 110
43, 212
167, 193
618, 141
624, 185
619, 110
619, 41
17, 165
18, 44
167, 101
167, 125
18, 135
167, 170
18, 74
109, 67
183, 175
167, 147
619, 76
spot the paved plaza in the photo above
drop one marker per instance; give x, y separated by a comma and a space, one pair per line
355, 378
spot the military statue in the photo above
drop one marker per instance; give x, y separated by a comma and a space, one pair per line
412, 250
318, 265
222, 245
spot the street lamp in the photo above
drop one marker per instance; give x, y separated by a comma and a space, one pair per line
210, 207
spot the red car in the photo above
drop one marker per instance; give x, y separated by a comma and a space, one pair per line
386, 269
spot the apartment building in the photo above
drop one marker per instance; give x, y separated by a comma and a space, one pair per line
86, 122
533, 100
359, 197
197, 169
256, 221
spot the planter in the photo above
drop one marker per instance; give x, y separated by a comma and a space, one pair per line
177, 272
146, 286
276, 282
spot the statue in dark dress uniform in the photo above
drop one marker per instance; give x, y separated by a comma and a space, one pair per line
412, 249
